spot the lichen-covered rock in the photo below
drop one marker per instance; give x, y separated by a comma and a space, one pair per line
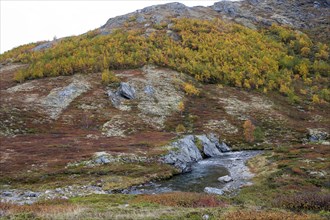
102, 160
60, 98
115, 99
149, 90
317, 135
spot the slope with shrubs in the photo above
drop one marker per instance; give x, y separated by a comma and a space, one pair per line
276, 58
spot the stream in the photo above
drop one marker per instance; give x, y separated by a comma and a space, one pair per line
205, 173
203, 178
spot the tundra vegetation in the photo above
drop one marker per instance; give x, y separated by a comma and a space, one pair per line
276, 58
223, 59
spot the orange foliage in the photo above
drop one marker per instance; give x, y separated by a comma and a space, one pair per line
248, 131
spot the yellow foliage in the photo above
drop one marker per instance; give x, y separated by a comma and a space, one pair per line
210, 51
180, 128
181, 106
316, 99
190, 89
109, 77
19, 76
305, 51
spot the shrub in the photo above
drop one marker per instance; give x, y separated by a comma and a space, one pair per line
262, 215
258, 134
182, 199
109, 77
180, 128
316, 99
190, 89
181, 107
325, 94
304, 200
249, 129
20, 76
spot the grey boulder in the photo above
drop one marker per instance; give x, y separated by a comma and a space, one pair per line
184, 154
211, 190
126, 91
225, 179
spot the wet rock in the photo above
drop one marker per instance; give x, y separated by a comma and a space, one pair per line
209, 148
211, 190
126, 91
225, 179
184, 152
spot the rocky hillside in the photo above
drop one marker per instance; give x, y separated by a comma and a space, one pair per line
150, 93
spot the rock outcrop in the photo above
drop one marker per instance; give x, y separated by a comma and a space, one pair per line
60, 98
209, 147
317, 135
184, 152
189, 149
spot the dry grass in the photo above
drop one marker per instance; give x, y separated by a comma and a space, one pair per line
41, 210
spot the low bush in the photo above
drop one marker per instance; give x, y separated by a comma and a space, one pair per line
190, 89
262, 215
181, 199
109, 77
304, 201
180, 128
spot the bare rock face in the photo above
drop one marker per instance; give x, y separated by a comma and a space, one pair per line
227, 7
223, 147
209, 147
184, 152
297, 13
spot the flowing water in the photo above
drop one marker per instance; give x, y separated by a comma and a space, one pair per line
205, 173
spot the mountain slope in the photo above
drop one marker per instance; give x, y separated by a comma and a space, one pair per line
96, 113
